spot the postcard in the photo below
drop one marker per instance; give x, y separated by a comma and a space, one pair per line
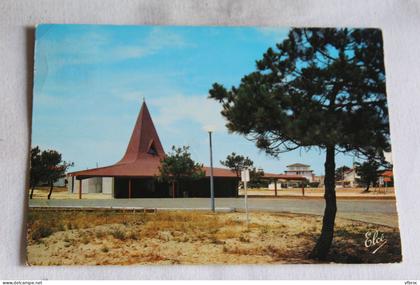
210, 145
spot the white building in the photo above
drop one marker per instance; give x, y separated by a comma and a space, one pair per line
301, 170
320, 179
349, 178
103, 185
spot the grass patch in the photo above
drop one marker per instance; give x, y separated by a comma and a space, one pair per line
194, 238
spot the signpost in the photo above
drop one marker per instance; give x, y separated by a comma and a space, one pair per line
211, 175
381, 183
245, 179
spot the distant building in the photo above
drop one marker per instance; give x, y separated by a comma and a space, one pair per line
300, 170
319, 179
386, 178
350, 178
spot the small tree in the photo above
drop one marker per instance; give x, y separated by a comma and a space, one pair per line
339, 172
368, 172
256, 178
178, 166
53, 167
36, 170
237, 163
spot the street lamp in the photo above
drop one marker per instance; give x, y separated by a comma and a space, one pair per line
210, 131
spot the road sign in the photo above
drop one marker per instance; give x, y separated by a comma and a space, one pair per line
245, 179
245, 175
381, 181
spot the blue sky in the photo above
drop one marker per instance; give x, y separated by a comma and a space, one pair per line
90, 81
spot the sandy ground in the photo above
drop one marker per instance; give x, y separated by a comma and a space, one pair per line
388, 192
122, 238
61, 193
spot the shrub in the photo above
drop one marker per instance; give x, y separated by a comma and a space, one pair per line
118, 234
41, 232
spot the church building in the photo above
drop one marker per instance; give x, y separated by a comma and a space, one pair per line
135, 175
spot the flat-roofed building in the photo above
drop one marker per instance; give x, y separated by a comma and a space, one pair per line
301, 170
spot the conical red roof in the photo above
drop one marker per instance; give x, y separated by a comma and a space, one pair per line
143, 155
144, 142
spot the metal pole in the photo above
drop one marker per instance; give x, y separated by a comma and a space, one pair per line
275, 187
303, 189
246, 203
80, 189
211, 175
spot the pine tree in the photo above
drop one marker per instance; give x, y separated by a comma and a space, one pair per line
53, 167
339, 172
178, 166
237, 163
319, 88
368, 172
36, 172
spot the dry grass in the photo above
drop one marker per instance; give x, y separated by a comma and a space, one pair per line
115, 237
319, 192
61, 193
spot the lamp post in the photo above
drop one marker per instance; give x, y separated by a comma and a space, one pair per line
211, 173
245, 180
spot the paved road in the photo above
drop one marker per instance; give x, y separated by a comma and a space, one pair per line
382, 212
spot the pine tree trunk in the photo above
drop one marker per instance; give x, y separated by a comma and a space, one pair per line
238, 187
367, 187
32, 192
173, 189
323, 244
51, 189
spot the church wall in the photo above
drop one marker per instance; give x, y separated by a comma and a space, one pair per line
89, 185
107, 185
150, 188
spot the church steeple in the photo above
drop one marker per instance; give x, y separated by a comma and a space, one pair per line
144, 141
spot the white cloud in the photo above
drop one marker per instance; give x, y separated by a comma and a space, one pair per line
198, 109
100, 47
278, 34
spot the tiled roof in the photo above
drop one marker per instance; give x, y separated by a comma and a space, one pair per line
284, 176
298, 165
387, 173
143, 154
